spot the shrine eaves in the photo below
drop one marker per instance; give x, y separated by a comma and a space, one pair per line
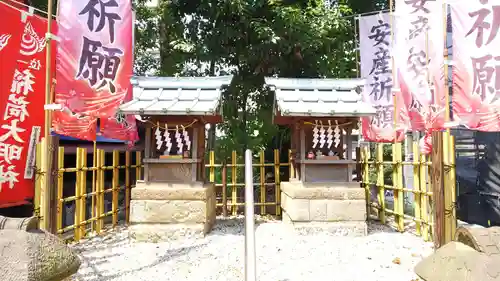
176, 96
320, 97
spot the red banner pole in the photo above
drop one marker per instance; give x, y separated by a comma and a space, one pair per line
48, 78
46, 186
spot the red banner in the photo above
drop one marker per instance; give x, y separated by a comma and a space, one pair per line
94, 66
476, 68
22, 84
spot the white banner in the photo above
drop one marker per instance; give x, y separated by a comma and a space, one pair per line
376, 69
476, 63
418, 56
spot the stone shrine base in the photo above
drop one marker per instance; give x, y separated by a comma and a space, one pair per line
337, 207
164, 211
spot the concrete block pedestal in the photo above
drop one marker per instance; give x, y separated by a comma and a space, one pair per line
164, 211
337, 207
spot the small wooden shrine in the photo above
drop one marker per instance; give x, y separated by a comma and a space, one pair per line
322, 114
173, 197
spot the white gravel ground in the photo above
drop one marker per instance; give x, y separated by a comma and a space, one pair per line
282, 255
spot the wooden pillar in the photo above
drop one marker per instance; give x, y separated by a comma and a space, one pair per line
194, 154
349, 153
202, 143
295, 150
302, 154
147, 153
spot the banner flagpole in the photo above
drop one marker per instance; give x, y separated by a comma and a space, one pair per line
396, 147
449, 152
47, 144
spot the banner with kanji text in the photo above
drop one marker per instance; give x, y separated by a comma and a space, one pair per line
94, 67
376, 68
476, 64
22, 98
419, 61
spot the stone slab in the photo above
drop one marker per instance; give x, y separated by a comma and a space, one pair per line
323, 210
294, 190
168, 211
35, 255
26, 224
167, 232
172, 191
458, 262
298, 209
346, 210
165, 211
344, 228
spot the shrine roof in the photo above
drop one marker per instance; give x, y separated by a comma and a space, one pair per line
199, 96
319, 97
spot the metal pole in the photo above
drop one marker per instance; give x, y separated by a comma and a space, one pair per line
250, 269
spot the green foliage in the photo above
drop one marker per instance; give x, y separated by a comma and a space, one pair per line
251, 40
387, 157
42, 5
366, 6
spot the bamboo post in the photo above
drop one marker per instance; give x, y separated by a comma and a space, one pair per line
60, 188
365, 176
44, 202
448, 188
437, 188
127, 187
138, 166
116, 186
224, 189
396, 147
100, 190
277, 181
97, 192
397, 172
38, 183
94, 178
53, 148
379, 163
262, 183
398, 186
424, 198
78, 194
449, 173
83, 192
211, 164
234, 181
452, 188
48, 204
46, 222
417, 188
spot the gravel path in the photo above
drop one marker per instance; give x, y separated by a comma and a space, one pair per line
282, 255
